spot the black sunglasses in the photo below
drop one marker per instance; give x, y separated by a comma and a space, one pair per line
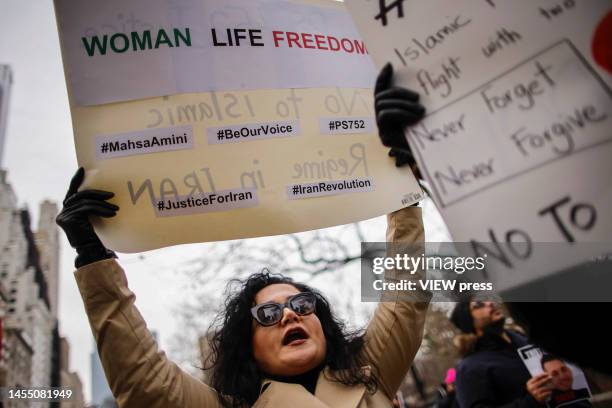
268, 314
479, 304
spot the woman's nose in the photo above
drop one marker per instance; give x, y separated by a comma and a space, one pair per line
289, 316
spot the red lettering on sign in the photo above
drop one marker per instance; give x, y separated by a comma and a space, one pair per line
278, 36
293, 38
332, 40
306, 40
318, 42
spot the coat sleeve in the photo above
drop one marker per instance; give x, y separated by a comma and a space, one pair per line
475, 391
138, 374
394, 334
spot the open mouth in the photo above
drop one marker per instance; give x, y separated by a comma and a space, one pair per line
295, 336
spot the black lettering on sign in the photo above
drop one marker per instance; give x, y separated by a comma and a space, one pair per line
523, 94
384, 9
560, 135
233, 37
422, 133
516, 245
425, 45
581, 216
557, 10
459, 178
442, 80
502, 39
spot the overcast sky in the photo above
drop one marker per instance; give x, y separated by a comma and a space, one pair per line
40, 158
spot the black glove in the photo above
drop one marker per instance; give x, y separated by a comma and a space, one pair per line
74, 220
396, 108
403, 157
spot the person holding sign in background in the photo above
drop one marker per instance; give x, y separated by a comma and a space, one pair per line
491, 373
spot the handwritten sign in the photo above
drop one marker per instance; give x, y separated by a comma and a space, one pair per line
517, 140
238, 161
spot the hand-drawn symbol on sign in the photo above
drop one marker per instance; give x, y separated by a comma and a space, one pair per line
384, 9
602, 46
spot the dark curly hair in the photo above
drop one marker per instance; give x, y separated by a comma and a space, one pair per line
234, 373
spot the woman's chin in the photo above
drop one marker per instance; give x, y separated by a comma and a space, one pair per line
300, 358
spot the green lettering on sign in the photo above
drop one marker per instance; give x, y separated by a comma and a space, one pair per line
136, 41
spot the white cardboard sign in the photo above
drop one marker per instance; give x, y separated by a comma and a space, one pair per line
119, 50
242, 160
517, 142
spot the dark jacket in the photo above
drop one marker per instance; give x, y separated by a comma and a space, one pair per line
560, 398
493, 374
445, 399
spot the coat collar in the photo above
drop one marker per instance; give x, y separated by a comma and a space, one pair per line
336, 394
328, 394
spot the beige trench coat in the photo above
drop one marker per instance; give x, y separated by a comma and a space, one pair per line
140, 375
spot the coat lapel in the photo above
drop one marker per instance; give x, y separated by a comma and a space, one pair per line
279, 394
328, 394
338, 395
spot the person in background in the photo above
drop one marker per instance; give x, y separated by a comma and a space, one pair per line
491, 372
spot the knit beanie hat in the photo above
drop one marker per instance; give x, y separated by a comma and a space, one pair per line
462, 317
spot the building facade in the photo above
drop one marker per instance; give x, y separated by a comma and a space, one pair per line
18, 361
17, 342
6, 82
28, 320
69, 379
47, 243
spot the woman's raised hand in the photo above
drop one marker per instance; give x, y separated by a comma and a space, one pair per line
78, 206
396, 108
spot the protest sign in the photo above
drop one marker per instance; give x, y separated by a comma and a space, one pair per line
517, 140
118, 51
214, 120
568, 383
